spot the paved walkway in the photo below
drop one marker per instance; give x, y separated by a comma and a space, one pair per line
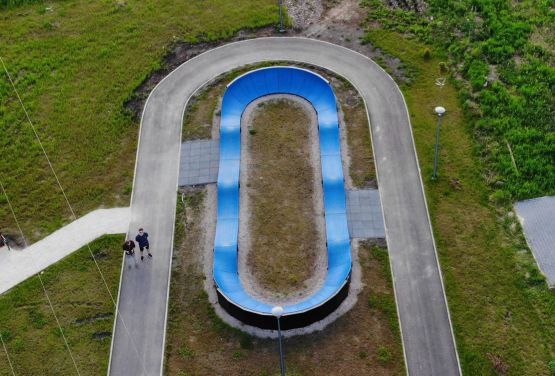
537, 217
426, 330
18, 265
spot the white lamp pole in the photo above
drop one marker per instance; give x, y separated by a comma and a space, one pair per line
281, 29
277, 312
439, 111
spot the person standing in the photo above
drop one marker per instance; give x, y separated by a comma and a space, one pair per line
142, 239
4, 242
129, 247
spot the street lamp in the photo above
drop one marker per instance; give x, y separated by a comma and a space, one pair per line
277, 312
281, 29
439, 111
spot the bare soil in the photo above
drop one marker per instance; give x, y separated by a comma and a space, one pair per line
282, 239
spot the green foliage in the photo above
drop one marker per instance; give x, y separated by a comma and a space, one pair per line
384, 355
30, 331
74, 73
246, 342
476, 250
186, 352
518, 105
552, 367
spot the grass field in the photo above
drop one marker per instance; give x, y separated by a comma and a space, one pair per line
365, 341
83, 307
502, 311
74, 72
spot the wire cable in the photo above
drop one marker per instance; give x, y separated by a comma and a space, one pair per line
41, 282
74, 217
7, 355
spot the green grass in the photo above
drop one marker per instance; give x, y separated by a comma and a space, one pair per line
503, 313
75, 63
28, 327
502, 52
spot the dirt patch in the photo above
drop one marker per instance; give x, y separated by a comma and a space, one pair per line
282, 243
303, 13
99, 336
179, 53
96, 317
365, 339
417, 6
340, 24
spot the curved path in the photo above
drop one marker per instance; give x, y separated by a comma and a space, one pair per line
231, 293
138, 343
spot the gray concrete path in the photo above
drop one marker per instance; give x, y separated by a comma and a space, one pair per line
364, 214
537, 217
138, 346
18, 265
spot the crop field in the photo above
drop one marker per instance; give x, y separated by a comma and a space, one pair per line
74, 72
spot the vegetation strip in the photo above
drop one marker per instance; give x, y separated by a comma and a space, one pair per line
502, 311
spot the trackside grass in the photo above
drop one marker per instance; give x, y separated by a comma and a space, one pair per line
82, 304
75, 63
502, 311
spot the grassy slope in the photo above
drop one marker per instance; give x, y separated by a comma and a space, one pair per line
500, 306
76, 291
74, 71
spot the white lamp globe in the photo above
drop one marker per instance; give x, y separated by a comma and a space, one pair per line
277, 311
440, 110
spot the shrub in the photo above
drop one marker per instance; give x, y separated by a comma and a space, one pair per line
442, 67
384, 355
552, 367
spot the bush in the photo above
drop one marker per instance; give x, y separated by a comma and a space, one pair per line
442, 67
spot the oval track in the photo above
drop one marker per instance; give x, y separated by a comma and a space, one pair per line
428, 341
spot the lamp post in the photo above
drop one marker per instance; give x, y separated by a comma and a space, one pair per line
277, 312
281, 29
439, 111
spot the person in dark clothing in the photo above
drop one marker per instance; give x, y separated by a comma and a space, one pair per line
4, 242
129, 247
142, 239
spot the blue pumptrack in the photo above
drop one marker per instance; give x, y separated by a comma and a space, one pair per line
231, 294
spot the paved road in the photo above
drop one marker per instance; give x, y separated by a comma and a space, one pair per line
18, 265
138, 346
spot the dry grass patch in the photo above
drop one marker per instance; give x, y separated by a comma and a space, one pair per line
280, 186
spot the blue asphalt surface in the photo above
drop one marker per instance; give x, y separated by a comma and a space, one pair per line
239, 93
